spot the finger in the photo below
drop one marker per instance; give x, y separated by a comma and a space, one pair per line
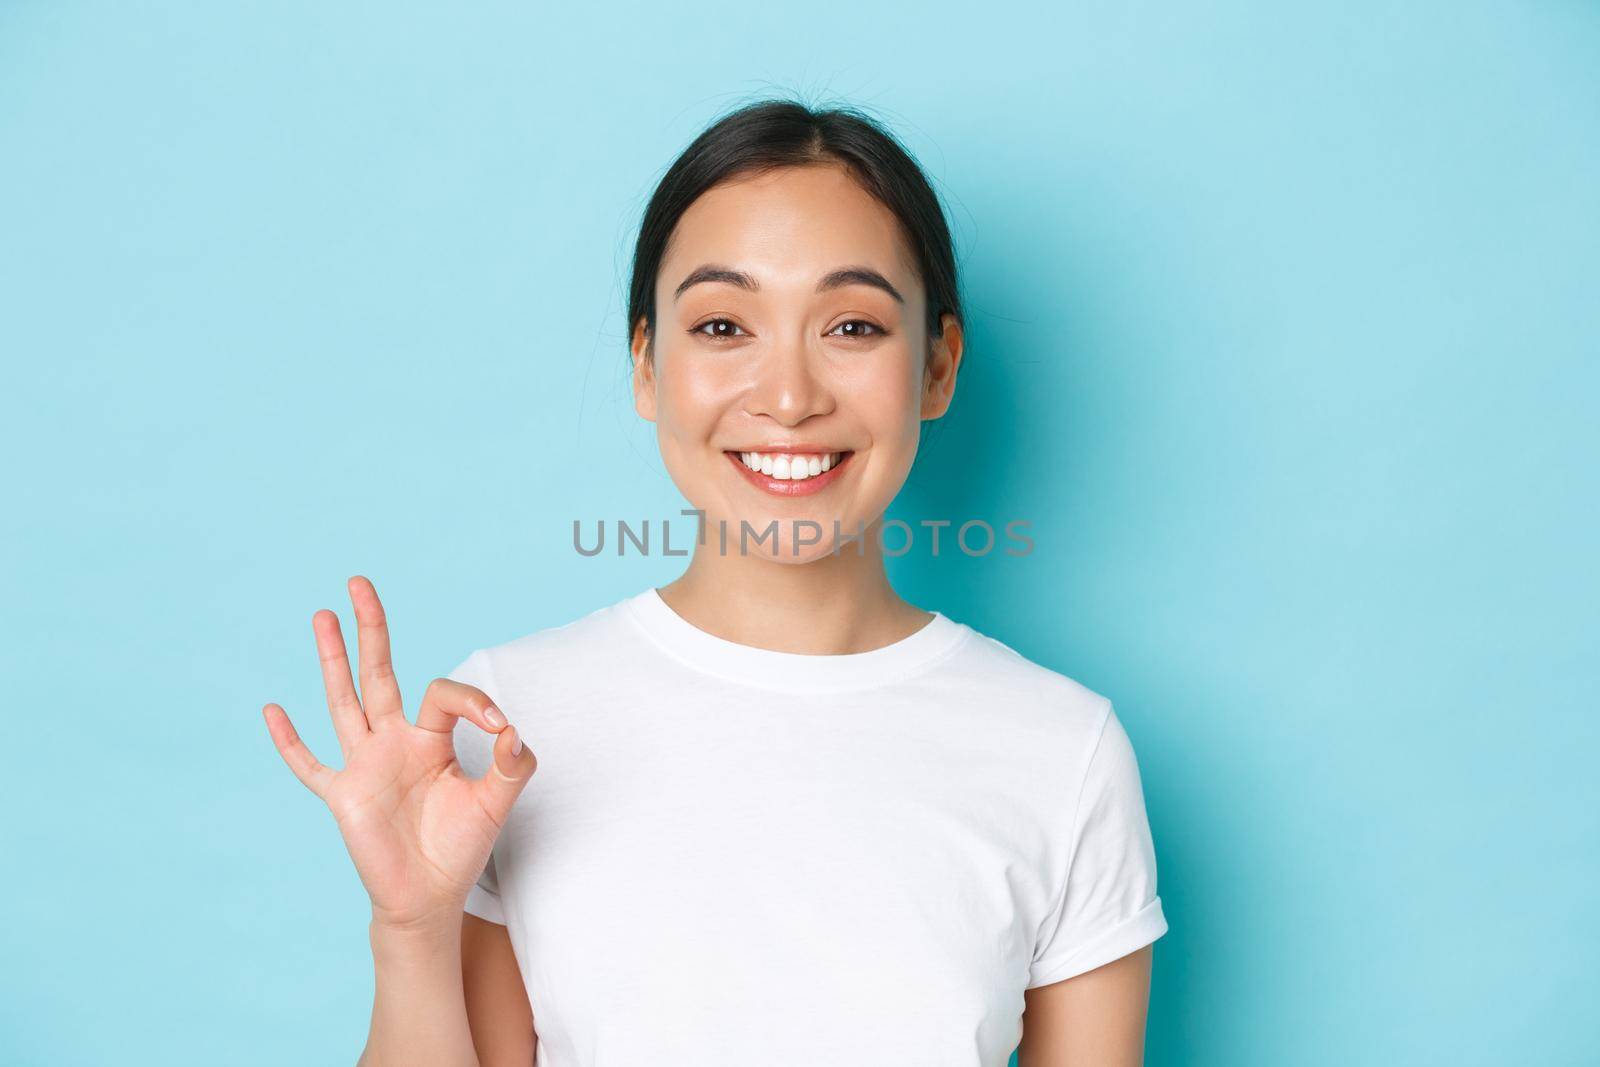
511, 769
380, 693
313, 775
349, 721
446, 700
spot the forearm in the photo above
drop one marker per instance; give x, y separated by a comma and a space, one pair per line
419, 1007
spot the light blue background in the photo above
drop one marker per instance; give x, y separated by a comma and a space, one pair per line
1283, 334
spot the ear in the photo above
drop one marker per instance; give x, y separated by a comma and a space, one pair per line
944, 360
644, 373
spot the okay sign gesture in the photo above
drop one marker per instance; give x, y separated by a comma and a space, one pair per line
417, 826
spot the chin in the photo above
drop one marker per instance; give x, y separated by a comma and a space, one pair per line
810, 556
786, 529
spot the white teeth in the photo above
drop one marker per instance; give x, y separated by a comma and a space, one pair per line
788, 466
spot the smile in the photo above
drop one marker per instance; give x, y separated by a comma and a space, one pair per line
790, 473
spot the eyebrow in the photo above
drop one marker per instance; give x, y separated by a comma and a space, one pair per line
854, 275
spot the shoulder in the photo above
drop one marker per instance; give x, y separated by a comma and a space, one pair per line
1037, 695
533, 677
578, 647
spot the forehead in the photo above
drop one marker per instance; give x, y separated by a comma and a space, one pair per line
788, 227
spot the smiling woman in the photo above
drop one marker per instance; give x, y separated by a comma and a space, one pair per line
783, 816
824, 343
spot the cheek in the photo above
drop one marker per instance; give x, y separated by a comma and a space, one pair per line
890, 400
689, 399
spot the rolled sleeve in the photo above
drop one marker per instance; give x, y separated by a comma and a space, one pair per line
1108, 906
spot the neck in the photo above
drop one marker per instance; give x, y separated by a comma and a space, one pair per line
836, 604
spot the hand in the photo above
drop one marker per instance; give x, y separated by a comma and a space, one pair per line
417, 826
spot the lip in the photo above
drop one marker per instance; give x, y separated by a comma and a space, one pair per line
788, 486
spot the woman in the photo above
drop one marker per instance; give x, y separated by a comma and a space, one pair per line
784, 816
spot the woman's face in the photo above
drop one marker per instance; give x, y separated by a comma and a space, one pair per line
763, 347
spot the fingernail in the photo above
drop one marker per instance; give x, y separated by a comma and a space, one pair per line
495, 719
516, 743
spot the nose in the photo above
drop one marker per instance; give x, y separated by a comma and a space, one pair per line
789, 386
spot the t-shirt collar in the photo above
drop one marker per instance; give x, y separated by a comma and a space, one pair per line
791, 671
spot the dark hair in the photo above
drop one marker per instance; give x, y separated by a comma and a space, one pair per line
770, 134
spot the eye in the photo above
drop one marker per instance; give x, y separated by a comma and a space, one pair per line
716, 335
858, 332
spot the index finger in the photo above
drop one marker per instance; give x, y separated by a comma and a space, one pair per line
446, 700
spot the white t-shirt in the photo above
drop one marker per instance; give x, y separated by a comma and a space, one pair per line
732, 856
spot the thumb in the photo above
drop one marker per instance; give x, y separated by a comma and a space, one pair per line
509, 772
